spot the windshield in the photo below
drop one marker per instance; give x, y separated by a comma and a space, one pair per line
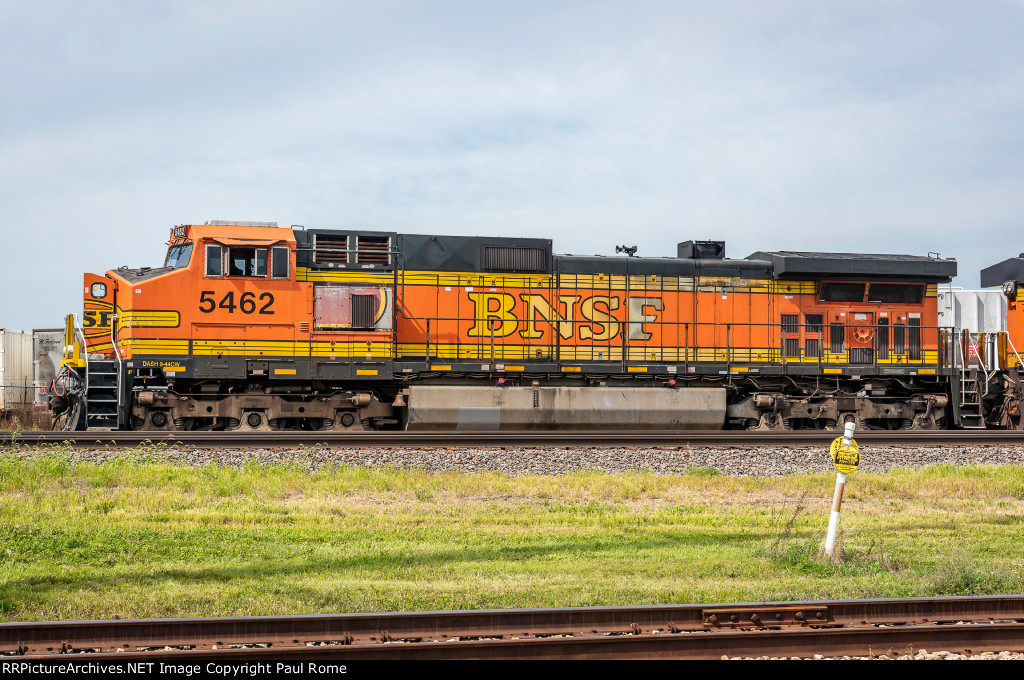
178, 256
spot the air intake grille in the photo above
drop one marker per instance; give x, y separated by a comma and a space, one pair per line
837, 333
507, 259
861, 355
914, 330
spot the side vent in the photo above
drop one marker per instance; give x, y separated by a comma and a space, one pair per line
373, 250
330, 248
303, 326
364, 308
509, 259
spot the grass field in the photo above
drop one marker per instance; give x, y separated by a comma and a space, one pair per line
137, 537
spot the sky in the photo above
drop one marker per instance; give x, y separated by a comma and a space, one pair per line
858, 126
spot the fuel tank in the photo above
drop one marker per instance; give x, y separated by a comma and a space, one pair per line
565, 408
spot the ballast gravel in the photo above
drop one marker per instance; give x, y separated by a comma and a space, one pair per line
768, 461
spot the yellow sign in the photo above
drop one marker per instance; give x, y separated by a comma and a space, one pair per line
845, 458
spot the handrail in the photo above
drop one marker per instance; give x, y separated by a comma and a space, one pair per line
1010, 342
85, 349
117, 353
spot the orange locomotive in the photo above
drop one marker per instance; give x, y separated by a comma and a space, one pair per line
251, 326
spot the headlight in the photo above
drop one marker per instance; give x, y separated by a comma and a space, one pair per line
99, 290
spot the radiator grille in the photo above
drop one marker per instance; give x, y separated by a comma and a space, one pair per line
899, 293
790, 323
842, 292
505, 258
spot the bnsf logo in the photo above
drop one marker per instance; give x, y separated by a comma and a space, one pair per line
594, 318
96, 319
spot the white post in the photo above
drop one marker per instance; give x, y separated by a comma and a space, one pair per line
837, 497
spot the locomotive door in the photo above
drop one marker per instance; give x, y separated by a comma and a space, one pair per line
353, 332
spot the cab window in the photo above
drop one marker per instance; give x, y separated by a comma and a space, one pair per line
247, 261
279, 263
179, 255
213, 261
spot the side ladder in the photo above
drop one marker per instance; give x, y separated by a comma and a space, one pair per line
101, 398
971, 415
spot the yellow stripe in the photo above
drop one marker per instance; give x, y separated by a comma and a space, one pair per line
440, 368
366, 372
928, 371
738, 369
284, 371
580, 281
636, 369
173, 369
572, 369
513, 368
793, 287
429, 278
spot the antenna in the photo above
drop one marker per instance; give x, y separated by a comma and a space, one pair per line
630, 251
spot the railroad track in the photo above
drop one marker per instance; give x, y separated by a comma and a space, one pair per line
588, 439
801, 629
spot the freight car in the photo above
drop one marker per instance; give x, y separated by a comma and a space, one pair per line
254, 327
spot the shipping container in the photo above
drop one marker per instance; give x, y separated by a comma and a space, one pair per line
16, 388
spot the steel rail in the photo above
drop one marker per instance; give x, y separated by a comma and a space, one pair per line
836, 627
436, 439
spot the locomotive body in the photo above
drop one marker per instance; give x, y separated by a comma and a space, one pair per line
251, 326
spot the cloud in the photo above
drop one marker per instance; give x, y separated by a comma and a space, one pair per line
842, 126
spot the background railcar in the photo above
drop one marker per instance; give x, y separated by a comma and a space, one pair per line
251, 326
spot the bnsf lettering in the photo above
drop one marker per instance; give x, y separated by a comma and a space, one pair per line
94, 319
247, 303
591, 318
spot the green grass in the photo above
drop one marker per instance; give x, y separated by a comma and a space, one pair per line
140, 537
